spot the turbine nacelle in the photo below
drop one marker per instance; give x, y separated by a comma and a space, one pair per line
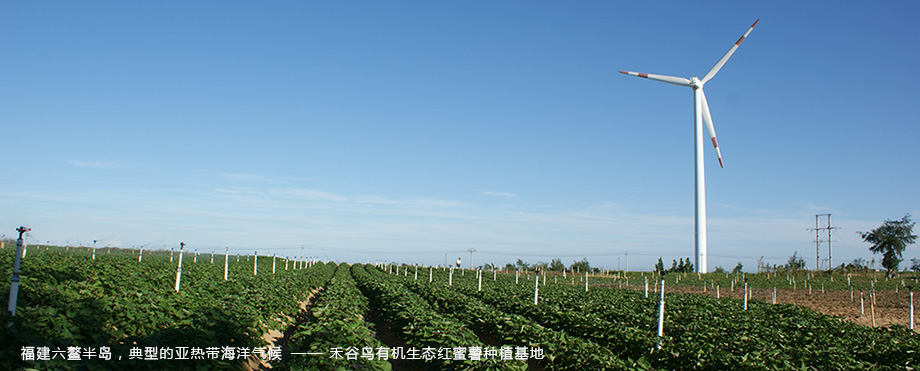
695, 83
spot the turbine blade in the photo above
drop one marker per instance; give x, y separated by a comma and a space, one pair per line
707, 118
715, 69
668, 79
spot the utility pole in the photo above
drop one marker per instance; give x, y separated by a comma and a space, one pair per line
818, 229
471, 250
626, 254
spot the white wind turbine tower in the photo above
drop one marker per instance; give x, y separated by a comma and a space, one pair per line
700, 115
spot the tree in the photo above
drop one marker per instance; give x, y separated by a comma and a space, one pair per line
688, 266
916, 265
582, 266
890, 239
719, 270
509, 267
795, 262
659, 267
522, 265
738, 268
556, 265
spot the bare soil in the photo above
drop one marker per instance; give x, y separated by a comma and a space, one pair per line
890, 308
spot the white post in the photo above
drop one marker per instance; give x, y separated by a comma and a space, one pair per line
516, 274
195, 260
480, 281
544, 277
273, 263
494, 275
212, 256
226, 261
14, 281
911, 309
536, 288
586, 281
170, 255
862, 308
286, 260
94, 249
179, 268
450, 278
255, 263
774, 295
718, 296
745, 294
416, 273
430, 269
661, 314
140, 255
646, 287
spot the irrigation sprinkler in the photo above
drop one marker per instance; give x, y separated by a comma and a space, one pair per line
212, 256
480, 281
255, 263
416, 273
430, 270
273, 263
94, 249
140, 254
14, 281
586, 281
450, 278
179, 268
227, 261
195, 260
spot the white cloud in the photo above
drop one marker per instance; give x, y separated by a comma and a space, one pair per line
308, 194
498, 194
374, 199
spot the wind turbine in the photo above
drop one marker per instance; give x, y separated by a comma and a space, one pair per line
700, 115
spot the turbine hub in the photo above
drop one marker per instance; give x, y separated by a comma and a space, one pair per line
695, 83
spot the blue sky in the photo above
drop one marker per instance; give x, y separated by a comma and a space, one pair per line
404, 131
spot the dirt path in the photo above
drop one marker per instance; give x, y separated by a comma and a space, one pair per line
276, 338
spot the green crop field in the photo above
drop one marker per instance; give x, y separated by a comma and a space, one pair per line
116, 312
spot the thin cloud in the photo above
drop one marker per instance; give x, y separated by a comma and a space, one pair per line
498, 194
308, 194
94, 164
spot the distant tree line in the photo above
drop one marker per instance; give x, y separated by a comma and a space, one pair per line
555, 265
684, 266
